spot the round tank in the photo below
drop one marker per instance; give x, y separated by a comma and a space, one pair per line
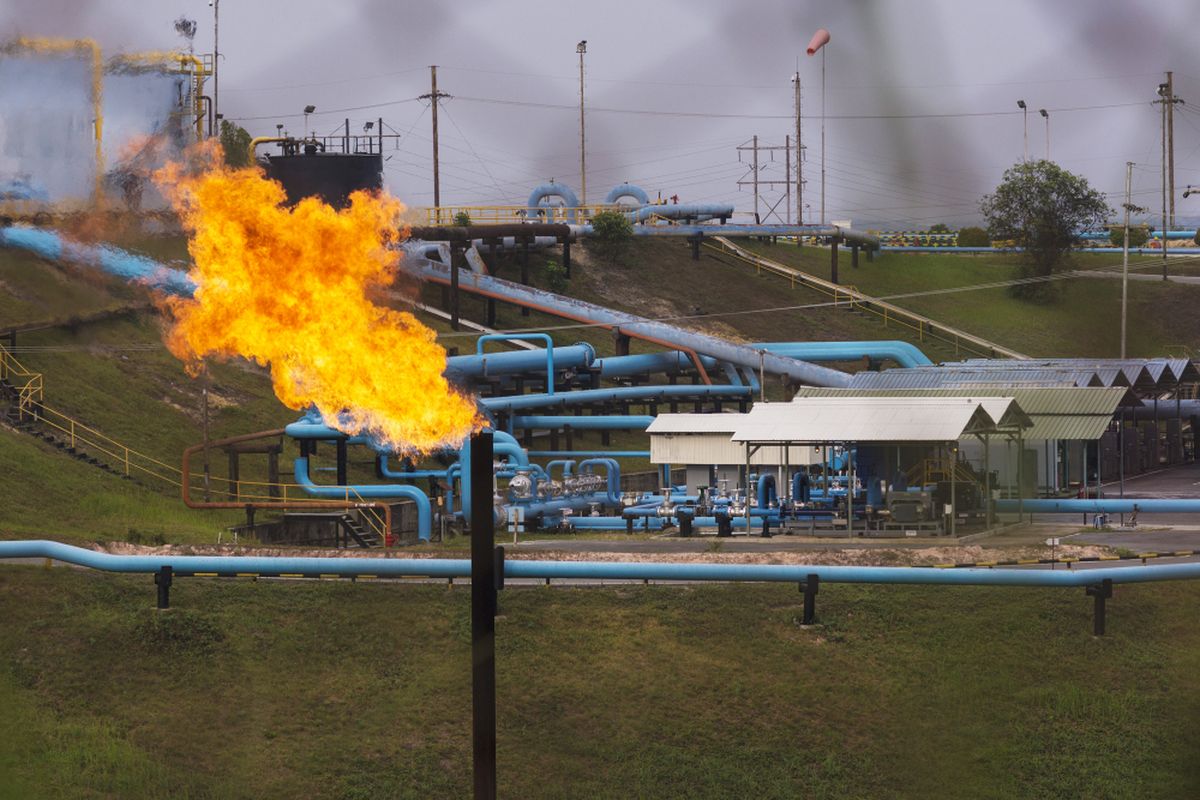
329, 176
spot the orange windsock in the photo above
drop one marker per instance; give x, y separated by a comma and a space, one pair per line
819, 40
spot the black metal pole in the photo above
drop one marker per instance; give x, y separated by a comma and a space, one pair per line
483, 617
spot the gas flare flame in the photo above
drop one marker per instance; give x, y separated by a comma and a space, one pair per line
289, 288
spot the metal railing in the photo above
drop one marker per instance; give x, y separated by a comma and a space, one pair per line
924, 327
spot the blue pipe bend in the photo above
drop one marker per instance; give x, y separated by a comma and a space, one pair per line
424, 509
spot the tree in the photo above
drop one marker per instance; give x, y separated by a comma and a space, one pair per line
1042, 207
1138, 235
235, 141
462, 219
940, 227
974, 237
612, 233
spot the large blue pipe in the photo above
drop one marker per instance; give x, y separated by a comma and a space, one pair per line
631, 393
369, 492
611, 422
115, 261
1109, 505
903, 353
668, 335
627, 190
684, 211
552, 189
574, 356
595, 570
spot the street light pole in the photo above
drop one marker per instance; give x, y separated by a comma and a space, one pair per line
581, 48
1025, 114
1046, 114
1125, 254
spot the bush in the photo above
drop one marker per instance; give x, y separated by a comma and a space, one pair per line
974, 237
462, 219
555, 276
612, 233
235, 142
940, 227
1138, 235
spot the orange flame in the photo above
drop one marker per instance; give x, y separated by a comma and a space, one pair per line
288, 288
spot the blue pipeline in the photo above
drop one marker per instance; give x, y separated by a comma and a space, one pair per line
1123, 505
616, 523
370, 492
627, 190
608, 422
519, 361
634, 393
668, 362
589, 453
1140, 251
766, 491
903, 353
612, 471
552, 189
690, 211
595, 570
115, 261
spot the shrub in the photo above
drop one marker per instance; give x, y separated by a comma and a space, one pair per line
555, 276
1138, 235
612, 233
973, 237
462, 219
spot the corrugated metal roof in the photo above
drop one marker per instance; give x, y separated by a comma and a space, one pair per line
926, 378
1144, 374
868, 419
1056, 412
695, 423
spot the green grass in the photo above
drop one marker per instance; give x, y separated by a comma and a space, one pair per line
1085, 321
273, 689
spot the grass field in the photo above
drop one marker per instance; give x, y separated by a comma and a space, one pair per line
274, 689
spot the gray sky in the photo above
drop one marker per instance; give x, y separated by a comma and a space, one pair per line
688, 62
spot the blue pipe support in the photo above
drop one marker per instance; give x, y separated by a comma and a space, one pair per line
752, 380
552, 189
607, 422
368, 492
1113, 505
733, 376
633, 393
903, 353
627, 189
596, 570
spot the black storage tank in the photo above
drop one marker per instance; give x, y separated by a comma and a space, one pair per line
311, 172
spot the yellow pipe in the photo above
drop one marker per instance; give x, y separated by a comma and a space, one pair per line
257, 140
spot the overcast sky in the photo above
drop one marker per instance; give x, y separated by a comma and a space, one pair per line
714, 75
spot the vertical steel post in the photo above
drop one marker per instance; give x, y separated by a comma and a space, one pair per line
483, 617
799, 159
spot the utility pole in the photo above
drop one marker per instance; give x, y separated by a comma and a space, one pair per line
1170, 98
757, 220
1125, 254
433, 97
581, 48
1163, 89
799, 155
216, 101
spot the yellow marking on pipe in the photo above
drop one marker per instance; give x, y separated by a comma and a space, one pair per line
204, 574
291, 575
247, 574
1110, 558
943, 566
1185, 552
1028, 561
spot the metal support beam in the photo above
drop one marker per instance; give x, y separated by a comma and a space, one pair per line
1099, 593
833, 259
809, 586
341, 463
162, 579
